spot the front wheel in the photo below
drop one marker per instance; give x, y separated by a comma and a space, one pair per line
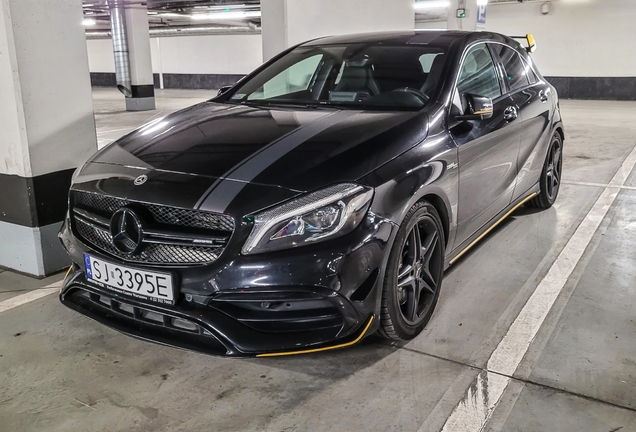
414, 274
550, 180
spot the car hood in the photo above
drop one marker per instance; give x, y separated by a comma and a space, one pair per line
230, 146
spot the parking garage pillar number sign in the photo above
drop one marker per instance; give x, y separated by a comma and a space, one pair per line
481, 16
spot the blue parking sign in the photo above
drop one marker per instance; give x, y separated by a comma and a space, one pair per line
481, 15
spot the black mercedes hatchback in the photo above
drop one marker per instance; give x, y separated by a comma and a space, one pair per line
318, 200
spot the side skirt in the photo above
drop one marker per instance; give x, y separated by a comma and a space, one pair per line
454, 256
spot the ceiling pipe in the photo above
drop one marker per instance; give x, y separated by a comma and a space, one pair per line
184, 31
507, 2
120, 48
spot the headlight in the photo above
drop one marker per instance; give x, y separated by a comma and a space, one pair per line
327, 213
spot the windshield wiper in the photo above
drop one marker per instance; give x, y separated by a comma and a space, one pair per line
290, 104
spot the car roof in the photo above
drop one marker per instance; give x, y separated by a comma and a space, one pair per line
440, 38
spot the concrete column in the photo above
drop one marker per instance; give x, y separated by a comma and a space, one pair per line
47, 124
289, 22
469, 23
142, 83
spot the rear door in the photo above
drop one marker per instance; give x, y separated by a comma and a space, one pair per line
533, 98
487, 149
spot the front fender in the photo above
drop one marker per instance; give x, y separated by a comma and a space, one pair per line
429, 170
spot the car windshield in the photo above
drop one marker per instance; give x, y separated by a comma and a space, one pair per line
360, 76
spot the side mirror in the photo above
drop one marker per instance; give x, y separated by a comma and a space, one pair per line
223, 90
479, 108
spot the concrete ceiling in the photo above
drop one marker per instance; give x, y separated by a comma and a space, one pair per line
179, 13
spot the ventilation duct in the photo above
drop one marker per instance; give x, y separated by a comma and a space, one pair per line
120, 47
183, 31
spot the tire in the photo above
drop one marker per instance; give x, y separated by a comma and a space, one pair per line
550, 181
417, 253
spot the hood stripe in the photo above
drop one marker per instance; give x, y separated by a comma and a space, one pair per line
225, 190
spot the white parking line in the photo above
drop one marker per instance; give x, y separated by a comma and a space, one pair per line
16, 301
477, 406
582, 183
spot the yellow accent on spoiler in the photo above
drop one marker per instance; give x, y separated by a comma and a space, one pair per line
344, 345
467, 248
532, 44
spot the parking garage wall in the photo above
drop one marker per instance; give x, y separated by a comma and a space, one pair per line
185, 62
585, 49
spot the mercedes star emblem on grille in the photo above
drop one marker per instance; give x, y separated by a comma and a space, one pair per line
126, 230
141, 180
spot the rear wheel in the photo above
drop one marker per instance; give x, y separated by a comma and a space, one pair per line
414, 274
550, 181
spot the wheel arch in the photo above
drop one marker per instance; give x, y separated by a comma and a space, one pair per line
440, 206
559, 130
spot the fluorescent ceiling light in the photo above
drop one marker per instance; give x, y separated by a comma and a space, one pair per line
89, 22
432, 4
220, 7
171, 14
227, 15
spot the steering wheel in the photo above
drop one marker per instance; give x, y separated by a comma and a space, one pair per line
422, 96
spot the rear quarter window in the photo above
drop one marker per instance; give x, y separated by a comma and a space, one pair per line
517, 72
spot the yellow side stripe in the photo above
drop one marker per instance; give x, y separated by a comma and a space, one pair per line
483, 112
344, 345
467, 248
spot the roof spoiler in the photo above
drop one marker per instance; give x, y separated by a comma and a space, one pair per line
532, 45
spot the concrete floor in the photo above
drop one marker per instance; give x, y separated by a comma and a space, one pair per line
62, 372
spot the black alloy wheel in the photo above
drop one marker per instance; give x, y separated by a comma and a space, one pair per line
550, 181
414, 274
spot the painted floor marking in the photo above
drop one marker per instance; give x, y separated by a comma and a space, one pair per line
484, 393
22, 299
581, 183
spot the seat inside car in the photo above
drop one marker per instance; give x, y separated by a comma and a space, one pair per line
434, 75
358, 77
397, 71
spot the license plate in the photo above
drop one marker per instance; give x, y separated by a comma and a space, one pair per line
153, 286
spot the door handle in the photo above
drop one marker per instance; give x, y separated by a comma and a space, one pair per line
543, 96
510, 113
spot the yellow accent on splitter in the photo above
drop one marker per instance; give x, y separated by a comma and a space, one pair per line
67, 273
344, 345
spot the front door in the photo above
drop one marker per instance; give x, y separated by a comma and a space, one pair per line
487, 149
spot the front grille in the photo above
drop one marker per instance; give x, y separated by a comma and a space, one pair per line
153, 253
173, 235
160, 214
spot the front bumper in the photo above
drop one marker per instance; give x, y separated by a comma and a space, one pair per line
309, 299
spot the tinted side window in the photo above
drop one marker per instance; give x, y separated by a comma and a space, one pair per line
477, 75
426, 60
532, 77
515, 68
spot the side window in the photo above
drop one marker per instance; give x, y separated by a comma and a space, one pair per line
294, 79
426, 60
478, 75
532, 77
515, 69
